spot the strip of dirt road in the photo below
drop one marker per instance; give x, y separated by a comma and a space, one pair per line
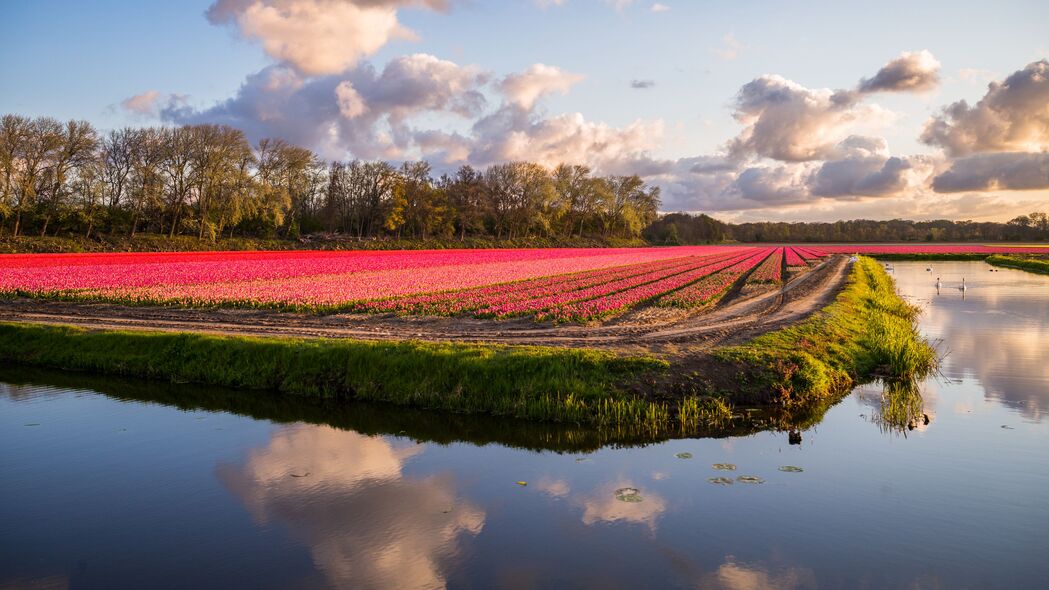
739, 317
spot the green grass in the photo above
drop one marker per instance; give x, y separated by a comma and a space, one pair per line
544, 383
1036, 265
868, 331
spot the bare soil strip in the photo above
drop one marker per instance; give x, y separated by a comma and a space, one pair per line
741, 316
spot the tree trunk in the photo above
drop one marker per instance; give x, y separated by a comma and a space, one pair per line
174, 224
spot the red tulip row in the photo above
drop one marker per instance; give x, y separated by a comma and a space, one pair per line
770, 270
470, 300
585, 297
613, 303
810, 254
711, 289
794, 258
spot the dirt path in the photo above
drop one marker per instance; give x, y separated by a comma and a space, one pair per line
739, 318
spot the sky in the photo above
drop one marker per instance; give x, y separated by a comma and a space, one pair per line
774, 110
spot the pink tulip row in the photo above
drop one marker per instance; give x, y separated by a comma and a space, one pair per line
46, 273
930, 249
334, 290
809, 255
606, 291
471, 300
770, 270
612, 303
793, 257
711, 289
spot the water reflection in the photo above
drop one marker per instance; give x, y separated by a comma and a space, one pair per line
998, 334
741, 576
346, 497
897, 407
171, 486
608, 504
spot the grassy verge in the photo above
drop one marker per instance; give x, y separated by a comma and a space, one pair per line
1036, 265
867, 332
543, 383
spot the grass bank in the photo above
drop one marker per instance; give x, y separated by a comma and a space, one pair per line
868, 332
542, 383
1030, 264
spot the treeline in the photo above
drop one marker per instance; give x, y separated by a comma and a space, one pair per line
207, 181
682, 228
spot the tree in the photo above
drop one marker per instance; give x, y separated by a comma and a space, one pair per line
465, 197
147, 181
74, 149
176, 166
14, 138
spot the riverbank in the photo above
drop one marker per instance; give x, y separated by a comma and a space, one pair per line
866, 331
1029, 264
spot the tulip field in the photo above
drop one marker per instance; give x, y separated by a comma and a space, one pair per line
557, 285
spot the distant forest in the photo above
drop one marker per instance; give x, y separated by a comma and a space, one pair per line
208, 181
682, 228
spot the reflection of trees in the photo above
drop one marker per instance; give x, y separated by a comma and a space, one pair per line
345, 496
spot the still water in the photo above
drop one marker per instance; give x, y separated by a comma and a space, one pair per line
118, 484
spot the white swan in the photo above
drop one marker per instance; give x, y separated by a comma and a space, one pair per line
937, 282
963, 287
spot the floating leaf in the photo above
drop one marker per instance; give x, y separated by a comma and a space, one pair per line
1007, 427
628, 495
33, 424
724, 466
300, 475
791, 469
720, 481
749, 479
522, 483
582, 459
684, 455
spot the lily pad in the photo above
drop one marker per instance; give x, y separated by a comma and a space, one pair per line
724, 466
307, 474
752, 479
791, 469
628, 495
1006, 427
522, 483
720, 481
684, 455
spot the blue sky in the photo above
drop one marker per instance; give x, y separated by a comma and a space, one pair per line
78, 60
